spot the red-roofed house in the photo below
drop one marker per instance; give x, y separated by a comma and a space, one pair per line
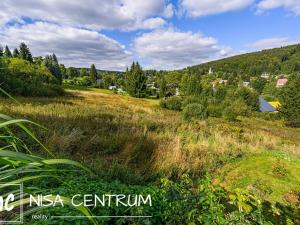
281, 82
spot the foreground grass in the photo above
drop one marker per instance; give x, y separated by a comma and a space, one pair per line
274, 176
135, 141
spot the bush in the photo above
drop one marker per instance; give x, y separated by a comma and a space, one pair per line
79, 81
215, 110
233, 109
192, 99
173, 103
19, 77
195, 111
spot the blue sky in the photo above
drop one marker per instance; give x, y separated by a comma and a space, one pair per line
161, 34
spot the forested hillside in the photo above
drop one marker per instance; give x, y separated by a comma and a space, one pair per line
275, 61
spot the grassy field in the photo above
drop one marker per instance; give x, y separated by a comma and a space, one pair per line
135, 141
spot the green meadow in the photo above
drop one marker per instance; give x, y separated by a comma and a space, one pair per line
136, 142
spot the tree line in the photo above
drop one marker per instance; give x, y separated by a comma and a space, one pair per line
220, 93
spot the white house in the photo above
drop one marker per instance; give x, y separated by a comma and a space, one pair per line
265, 75
112, 87
246, 83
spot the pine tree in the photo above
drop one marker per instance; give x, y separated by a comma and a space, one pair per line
16, 53
63, 71
51, 63
93, 73
1, 51
135, 81
25, 53
7, 52
291, 101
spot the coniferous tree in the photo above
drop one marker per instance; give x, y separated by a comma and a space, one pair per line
93, 73
135, 81
16, 53
291, 101
63, 71
7, 52
51, 63
1, 51
25, 53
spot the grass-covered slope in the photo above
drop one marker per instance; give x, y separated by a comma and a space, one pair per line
274, 61
135, 141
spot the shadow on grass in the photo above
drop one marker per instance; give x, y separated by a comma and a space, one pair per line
102, 143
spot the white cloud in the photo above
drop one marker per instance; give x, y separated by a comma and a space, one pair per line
73, 46
172, 49
95, 14
153, 23
272, 43
198, 8
291, 5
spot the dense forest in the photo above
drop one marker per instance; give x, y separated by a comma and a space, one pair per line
274, 61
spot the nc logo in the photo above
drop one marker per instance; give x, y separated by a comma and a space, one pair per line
5, 201
11, 213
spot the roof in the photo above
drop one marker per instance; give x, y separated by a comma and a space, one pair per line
282, 82
275, 104
265, 106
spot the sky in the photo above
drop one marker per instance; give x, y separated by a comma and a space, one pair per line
160, 34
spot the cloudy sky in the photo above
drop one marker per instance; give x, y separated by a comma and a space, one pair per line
160, 34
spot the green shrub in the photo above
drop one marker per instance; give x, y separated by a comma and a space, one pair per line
215, 110
195, 111
173, 103
79, 81
19, 77
193, 99
250, 97
235, 108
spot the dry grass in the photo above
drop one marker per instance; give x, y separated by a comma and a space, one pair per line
100, 128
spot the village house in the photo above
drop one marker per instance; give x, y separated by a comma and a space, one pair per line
281, 82
246, 83
112, 87
177, 92
265, 75
265, 106
121, 91
152, 86
223, 81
